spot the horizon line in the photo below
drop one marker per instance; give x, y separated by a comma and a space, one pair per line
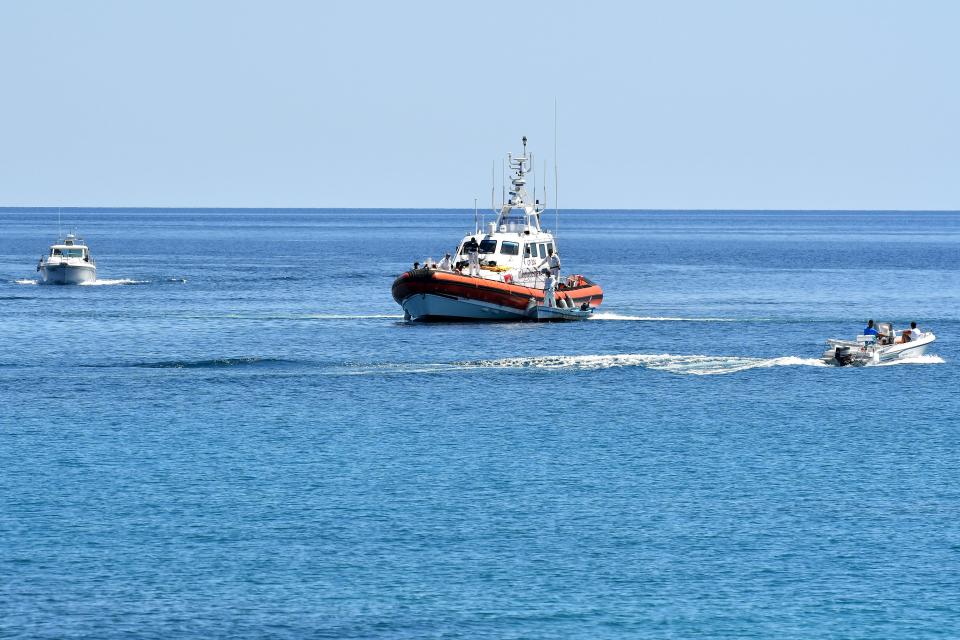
47, 208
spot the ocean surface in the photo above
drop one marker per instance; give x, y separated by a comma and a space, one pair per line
233, 433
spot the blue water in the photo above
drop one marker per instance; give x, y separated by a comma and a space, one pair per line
235, 435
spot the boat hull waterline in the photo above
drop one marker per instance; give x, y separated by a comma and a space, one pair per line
428, 295
67, 274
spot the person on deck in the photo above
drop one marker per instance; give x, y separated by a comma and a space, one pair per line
447, 263
870, 330
553, 263
548, 289
473, 256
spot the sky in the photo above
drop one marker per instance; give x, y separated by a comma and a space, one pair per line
660, 105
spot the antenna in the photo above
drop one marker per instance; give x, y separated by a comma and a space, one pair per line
493, 185
556, 180
503, 179
59, 232
476, 221
532, 167
544, 184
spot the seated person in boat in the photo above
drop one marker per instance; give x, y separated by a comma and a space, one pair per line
870, 330
915, 333
910, 335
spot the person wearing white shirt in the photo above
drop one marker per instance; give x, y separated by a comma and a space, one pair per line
553, 263
548, 289
915, 333
447, 263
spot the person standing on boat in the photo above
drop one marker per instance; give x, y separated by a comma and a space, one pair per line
870, 330
447, 263
473, 255
548, 289
553, 263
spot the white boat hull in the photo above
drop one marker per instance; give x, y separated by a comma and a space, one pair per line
63, 273
431, 307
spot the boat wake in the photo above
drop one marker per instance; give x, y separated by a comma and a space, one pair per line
681, 364
924, 359
307, 316
678, 364
110, 283
697, 365
98, 282
609, 315
212, 363
335, 316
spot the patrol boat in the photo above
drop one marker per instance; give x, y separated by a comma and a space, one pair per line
887, 346
68, 262
499, 273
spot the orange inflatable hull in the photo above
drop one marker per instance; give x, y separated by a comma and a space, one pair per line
512, 299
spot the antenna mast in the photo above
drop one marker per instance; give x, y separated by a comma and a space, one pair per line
544, 184
503, 180
493, 186
476, 220
556, 180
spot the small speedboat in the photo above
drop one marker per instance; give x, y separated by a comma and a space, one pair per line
68, 262
887, 346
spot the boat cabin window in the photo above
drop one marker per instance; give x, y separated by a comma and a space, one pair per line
530, 251
549, 248
509, 248
488, 246
543, 250
73, 253
55, 252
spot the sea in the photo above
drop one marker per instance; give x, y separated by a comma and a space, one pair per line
234, 433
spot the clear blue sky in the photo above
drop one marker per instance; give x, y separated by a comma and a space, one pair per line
765, 104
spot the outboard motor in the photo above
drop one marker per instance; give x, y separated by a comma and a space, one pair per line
843, 356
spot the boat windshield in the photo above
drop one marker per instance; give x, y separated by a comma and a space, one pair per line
488, 246
68, 253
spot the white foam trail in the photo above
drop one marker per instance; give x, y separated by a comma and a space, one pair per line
924, 359
697, 365
26, 281
108, 283
609, 315
685, 364
333, 316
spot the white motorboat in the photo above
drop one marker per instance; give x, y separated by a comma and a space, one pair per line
887, 346
497, 272
69, 262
